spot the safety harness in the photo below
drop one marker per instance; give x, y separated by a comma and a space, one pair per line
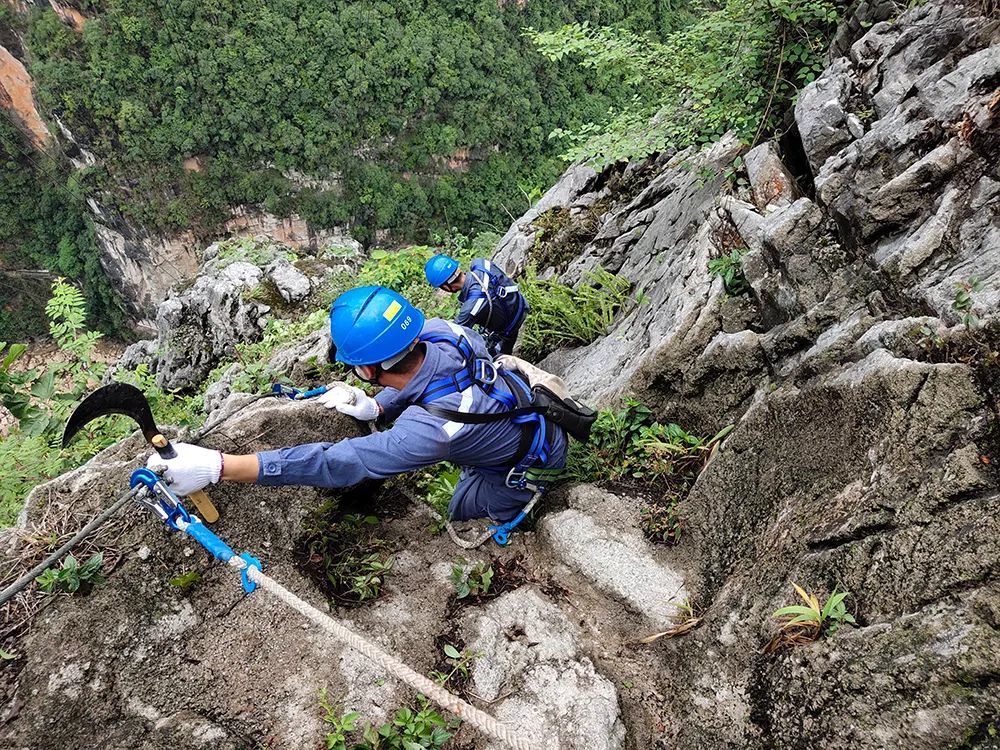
493, 286
537, 432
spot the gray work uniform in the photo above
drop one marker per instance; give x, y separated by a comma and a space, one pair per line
417, 438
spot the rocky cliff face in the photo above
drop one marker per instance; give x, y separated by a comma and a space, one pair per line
147, 266
242, 285
862, 457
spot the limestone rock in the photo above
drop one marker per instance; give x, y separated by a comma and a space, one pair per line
230, 302
617, 559
541, 684
770, 180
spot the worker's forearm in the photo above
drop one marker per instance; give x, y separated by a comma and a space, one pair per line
240, 468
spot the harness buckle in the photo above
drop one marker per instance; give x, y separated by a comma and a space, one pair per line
486, 372
517, 479
501, 292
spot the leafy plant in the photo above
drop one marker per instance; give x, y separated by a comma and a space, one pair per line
736, 67
964, 301
41, 400
460, 663
437, 484
630, 444
185, 580
730, 269
802, 624
418, 728
662, 523
345, 552
72, 576
474, 580
564, 316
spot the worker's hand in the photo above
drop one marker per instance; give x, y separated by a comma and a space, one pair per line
192, 469
351, 401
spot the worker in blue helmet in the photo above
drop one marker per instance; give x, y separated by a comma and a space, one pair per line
489, 298
425, 367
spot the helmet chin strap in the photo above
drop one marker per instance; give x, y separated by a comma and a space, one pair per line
383, 366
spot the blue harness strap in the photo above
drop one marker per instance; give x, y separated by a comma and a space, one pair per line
537, 450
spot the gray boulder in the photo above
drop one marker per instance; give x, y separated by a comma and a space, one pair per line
241, 286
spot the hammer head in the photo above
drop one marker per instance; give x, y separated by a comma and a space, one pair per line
117, 398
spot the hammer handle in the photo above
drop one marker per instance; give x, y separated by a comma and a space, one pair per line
163, 446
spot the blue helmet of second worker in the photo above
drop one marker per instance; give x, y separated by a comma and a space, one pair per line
441, 270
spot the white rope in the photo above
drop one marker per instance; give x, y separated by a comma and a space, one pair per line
454, 704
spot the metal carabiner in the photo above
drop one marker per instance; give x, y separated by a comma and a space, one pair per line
279, 389
158, 498
484, 366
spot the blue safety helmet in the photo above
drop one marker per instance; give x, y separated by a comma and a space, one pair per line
372, 325
440, 270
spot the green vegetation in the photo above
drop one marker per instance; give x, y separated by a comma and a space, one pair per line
345, 553
42, 399
737, 66
72, 576
459, 667
44, 226
471, 580
964, 302
662, 522
629, 447
410, 116
629, 444
417, 728
804, 624
730, 269
437, 484
185, 580
564, 316
560, 236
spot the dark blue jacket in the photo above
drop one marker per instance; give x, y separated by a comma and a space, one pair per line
490, 299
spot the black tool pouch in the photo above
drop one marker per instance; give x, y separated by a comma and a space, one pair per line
575, 418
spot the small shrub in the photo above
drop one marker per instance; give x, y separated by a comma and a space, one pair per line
437, 485
630, 444
418, 728
662, 523
345, 553
964, 301
459, 663
730, 269
801, 624
71, 576
563, 316
472, 580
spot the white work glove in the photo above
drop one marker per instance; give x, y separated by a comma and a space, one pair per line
192, 469
351, 401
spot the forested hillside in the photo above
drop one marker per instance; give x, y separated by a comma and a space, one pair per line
400, 120
399, 116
